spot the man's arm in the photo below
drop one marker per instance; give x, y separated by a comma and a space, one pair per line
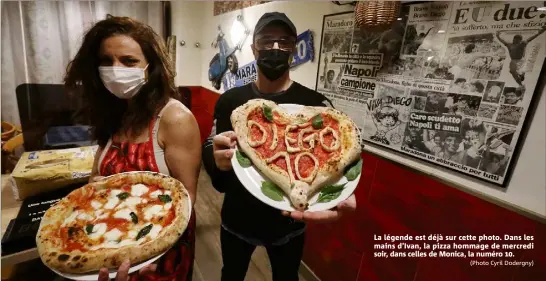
536, 35
221, 124
500, 39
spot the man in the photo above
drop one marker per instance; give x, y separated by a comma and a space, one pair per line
246, 221
516, 50
512, 96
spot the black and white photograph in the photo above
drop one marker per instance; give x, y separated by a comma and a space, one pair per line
497, 149
474, 87
410, 66
337, 42
476, 56
487, 111
509, 114
463, 105
517, 42
429, 36
419, 100
493, 91
512, 96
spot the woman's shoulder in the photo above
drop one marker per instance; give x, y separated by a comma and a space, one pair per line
175, 112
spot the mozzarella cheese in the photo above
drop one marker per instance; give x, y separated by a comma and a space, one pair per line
144, 201
138, 189
98, 212
123, 214
132, 234
71, 218
114, 193
153, 211
154, 232
104, 216
85, 217
96, 204
167, 192
112, 202
97, 231
113, 235
156, 193
168, 206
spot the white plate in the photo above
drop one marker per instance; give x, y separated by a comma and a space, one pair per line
252, 180
94, 276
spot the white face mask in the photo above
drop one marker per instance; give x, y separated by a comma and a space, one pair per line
123, 82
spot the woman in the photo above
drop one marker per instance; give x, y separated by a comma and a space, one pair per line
127, 81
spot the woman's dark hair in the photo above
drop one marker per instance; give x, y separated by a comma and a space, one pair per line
106, 113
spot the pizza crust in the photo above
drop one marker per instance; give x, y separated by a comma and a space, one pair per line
76, 261
298, 191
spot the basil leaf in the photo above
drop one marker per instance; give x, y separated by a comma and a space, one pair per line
268, 113
123, 195
143, 232
89, 228
327, 197
272, 191
317, 122
354, 170
164, 198
134, 217
332, 188
242, 159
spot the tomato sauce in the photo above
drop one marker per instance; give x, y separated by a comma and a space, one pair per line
306, 164
111, 223
168, 218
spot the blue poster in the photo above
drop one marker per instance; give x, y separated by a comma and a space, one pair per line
248, 73
305, 50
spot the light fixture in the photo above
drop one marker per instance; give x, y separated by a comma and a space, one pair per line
441, 31
238, 32
541, 9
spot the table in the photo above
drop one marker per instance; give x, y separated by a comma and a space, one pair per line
10, 209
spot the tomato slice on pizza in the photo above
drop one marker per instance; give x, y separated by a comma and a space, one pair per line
300, 153
134, 215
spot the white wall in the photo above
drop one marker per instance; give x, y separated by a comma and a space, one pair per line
527, 189
187, 17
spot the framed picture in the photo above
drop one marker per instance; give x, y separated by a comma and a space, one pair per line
450, 83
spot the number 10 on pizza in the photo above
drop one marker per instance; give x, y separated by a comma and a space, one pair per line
302, 153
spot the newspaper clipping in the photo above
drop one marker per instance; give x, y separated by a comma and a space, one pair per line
449, 83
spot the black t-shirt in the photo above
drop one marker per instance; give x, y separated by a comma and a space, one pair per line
241, 211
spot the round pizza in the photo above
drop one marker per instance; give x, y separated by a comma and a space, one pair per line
300, 153
135, 216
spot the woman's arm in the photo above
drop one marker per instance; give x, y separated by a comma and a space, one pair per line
179, 136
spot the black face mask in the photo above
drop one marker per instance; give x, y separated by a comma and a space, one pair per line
273, 63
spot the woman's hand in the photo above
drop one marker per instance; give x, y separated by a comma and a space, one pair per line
346, 206
123, 271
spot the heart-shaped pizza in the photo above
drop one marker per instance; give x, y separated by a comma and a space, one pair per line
300, 153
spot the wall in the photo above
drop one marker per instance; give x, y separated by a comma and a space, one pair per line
187, 16
527, 189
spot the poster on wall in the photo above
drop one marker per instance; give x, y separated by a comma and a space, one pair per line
450, 83
248, 73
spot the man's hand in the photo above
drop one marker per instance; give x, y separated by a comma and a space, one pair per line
223, 145
123, 271
347, 206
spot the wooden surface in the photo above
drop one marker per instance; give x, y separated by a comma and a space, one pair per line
208, 258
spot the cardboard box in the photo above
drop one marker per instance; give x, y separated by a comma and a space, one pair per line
43, 171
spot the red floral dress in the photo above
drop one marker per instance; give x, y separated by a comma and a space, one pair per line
177, 263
